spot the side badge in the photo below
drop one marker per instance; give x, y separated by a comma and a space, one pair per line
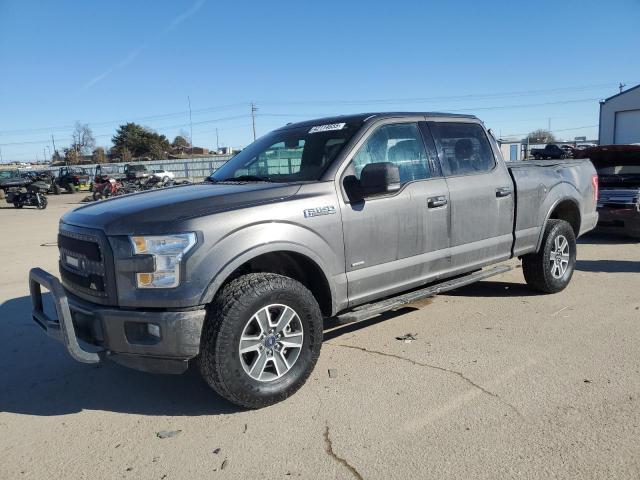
315, 212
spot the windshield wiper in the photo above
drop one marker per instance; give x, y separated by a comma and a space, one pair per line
247, 178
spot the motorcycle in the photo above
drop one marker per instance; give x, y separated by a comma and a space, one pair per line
32, 195
105, 187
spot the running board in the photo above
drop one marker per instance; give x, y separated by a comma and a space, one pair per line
369, 310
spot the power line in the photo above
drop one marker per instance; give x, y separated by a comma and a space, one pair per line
466, 97
553, 131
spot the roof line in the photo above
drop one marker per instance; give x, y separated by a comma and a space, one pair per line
621, 93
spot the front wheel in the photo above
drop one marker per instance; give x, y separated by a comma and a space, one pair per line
550, 269
261, 339
42, 202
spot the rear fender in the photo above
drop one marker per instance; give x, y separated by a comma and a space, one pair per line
561, 192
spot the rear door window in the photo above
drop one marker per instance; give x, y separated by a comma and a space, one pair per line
463, 148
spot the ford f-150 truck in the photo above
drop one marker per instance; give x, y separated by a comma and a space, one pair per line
346, 216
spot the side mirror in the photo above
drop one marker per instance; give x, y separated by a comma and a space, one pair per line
379, 178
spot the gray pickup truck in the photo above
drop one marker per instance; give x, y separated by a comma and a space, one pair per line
340, 217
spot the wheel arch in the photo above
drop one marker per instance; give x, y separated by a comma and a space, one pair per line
285, 259
565, 208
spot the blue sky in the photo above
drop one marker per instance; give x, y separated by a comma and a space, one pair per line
514, 64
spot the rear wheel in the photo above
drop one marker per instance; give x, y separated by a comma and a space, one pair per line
261, 339
56, 189
18, 204
550, 269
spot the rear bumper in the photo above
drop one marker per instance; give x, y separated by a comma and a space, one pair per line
149, 340
624, 221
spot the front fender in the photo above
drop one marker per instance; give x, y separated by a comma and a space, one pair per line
249, 242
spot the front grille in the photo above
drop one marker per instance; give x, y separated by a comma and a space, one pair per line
85, 264
90, 249
87, 282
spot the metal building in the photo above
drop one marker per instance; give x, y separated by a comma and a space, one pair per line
620, 118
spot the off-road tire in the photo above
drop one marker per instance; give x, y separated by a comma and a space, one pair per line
537, 266
18, 204
219, 359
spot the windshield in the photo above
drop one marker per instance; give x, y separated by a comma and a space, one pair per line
8, 173
294, 155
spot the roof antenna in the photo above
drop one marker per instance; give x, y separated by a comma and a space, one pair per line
621, 86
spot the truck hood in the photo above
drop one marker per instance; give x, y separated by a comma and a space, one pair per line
162, 210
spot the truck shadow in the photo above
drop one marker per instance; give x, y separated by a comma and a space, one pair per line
598, 238
608, 266
489, 288
39, 378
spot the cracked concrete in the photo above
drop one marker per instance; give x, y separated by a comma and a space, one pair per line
435, 367
328, 447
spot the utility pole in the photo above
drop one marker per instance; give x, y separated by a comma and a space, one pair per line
1, 155
53, 141
44, 152
254, 109
190, 127
217, 140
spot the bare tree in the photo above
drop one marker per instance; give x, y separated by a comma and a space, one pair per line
83, 141
99, 155
541, 136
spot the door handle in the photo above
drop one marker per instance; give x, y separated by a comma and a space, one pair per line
503, 191
435, 202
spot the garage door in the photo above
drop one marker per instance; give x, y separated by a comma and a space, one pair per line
627, 127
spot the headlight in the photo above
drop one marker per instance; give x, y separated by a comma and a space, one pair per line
168, 251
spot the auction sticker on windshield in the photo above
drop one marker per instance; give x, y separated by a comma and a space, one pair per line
327, 128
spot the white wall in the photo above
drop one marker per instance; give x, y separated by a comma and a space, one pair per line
618, 127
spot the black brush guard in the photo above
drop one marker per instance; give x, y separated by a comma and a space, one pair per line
61, 329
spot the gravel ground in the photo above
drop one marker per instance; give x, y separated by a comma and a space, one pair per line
498, 383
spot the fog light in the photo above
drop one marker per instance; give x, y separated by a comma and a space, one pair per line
153, 329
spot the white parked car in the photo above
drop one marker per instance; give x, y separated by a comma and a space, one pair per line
164, 175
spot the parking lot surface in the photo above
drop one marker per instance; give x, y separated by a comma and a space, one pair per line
498, 383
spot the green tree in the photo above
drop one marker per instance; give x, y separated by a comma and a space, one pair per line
541, 136
140, 142
56, 158
180, 143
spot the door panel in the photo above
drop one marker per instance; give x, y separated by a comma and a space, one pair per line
393, 242
481, 196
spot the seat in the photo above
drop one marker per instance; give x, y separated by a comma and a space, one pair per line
406, 154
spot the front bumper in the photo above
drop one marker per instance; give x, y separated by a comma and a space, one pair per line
119, 334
